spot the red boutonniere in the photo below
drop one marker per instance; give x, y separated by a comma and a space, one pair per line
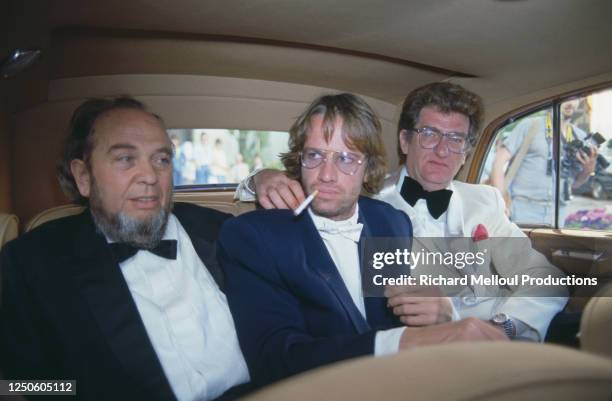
480, 233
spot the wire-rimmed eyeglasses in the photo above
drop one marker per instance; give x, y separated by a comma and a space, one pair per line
346, 162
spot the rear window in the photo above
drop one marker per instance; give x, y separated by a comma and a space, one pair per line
216, 157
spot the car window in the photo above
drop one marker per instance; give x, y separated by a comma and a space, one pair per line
223, 156
556, 160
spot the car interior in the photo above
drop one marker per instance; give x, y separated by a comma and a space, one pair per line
237, 74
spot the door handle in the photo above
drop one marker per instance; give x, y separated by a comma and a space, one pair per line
591, 256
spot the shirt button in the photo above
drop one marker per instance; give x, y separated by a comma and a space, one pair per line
469, 300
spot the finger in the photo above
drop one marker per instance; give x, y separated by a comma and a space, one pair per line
407, 299
264, 179
419, 320
277, 200
392, 290
404, 299
408, 310
476, 329
402, 310
288, 197
416, 309
297, 190
396, 300
265, 201
493, 332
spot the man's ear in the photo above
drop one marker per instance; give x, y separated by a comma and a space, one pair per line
81, 175
403, 141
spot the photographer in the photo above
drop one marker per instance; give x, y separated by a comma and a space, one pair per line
530, 194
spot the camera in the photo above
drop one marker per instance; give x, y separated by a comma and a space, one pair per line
571, 166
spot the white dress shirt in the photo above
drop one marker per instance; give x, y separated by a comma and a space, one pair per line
344, 252
424, 225
187, 319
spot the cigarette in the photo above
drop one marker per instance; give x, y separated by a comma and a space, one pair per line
306, 202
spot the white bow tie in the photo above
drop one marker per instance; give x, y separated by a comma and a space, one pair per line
348, 231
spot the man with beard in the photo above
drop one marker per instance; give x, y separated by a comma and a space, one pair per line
124, 298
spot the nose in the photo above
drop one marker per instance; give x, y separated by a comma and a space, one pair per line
441, 148
328, 171
147, 173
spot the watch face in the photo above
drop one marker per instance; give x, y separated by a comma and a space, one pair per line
500, 318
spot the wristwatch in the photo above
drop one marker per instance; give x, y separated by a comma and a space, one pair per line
502, 320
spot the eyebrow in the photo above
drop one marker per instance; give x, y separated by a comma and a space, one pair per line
465, 134
127, 146
167, 150
120, 146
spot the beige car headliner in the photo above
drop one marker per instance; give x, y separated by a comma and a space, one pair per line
500, 48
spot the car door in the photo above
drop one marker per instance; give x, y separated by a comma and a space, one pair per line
547, 159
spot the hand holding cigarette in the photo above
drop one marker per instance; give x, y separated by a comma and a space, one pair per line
306, 202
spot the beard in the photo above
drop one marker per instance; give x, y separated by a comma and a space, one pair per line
341, 209
119, 227
342, 212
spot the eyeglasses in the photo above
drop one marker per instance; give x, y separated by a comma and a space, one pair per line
346, 162
430, 137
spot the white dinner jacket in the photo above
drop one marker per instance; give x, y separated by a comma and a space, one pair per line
474, 204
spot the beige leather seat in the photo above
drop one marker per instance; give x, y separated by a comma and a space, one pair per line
596, 323
456, 372
52, 214
221, 202
9, 228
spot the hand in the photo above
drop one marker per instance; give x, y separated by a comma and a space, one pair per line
419, 305
274, 190
588, 166
466, 330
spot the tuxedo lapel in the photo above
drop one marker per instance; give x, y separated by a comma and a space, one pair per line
377, 313
319, 259
205, 248
392, 196
107, 295
454, 215
207, 253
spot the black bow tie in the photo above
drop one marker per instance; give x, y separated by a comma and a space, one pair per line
437, 201
122, 251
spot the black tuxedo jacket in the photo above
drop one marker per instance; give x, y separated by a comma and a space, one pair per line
67, 312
